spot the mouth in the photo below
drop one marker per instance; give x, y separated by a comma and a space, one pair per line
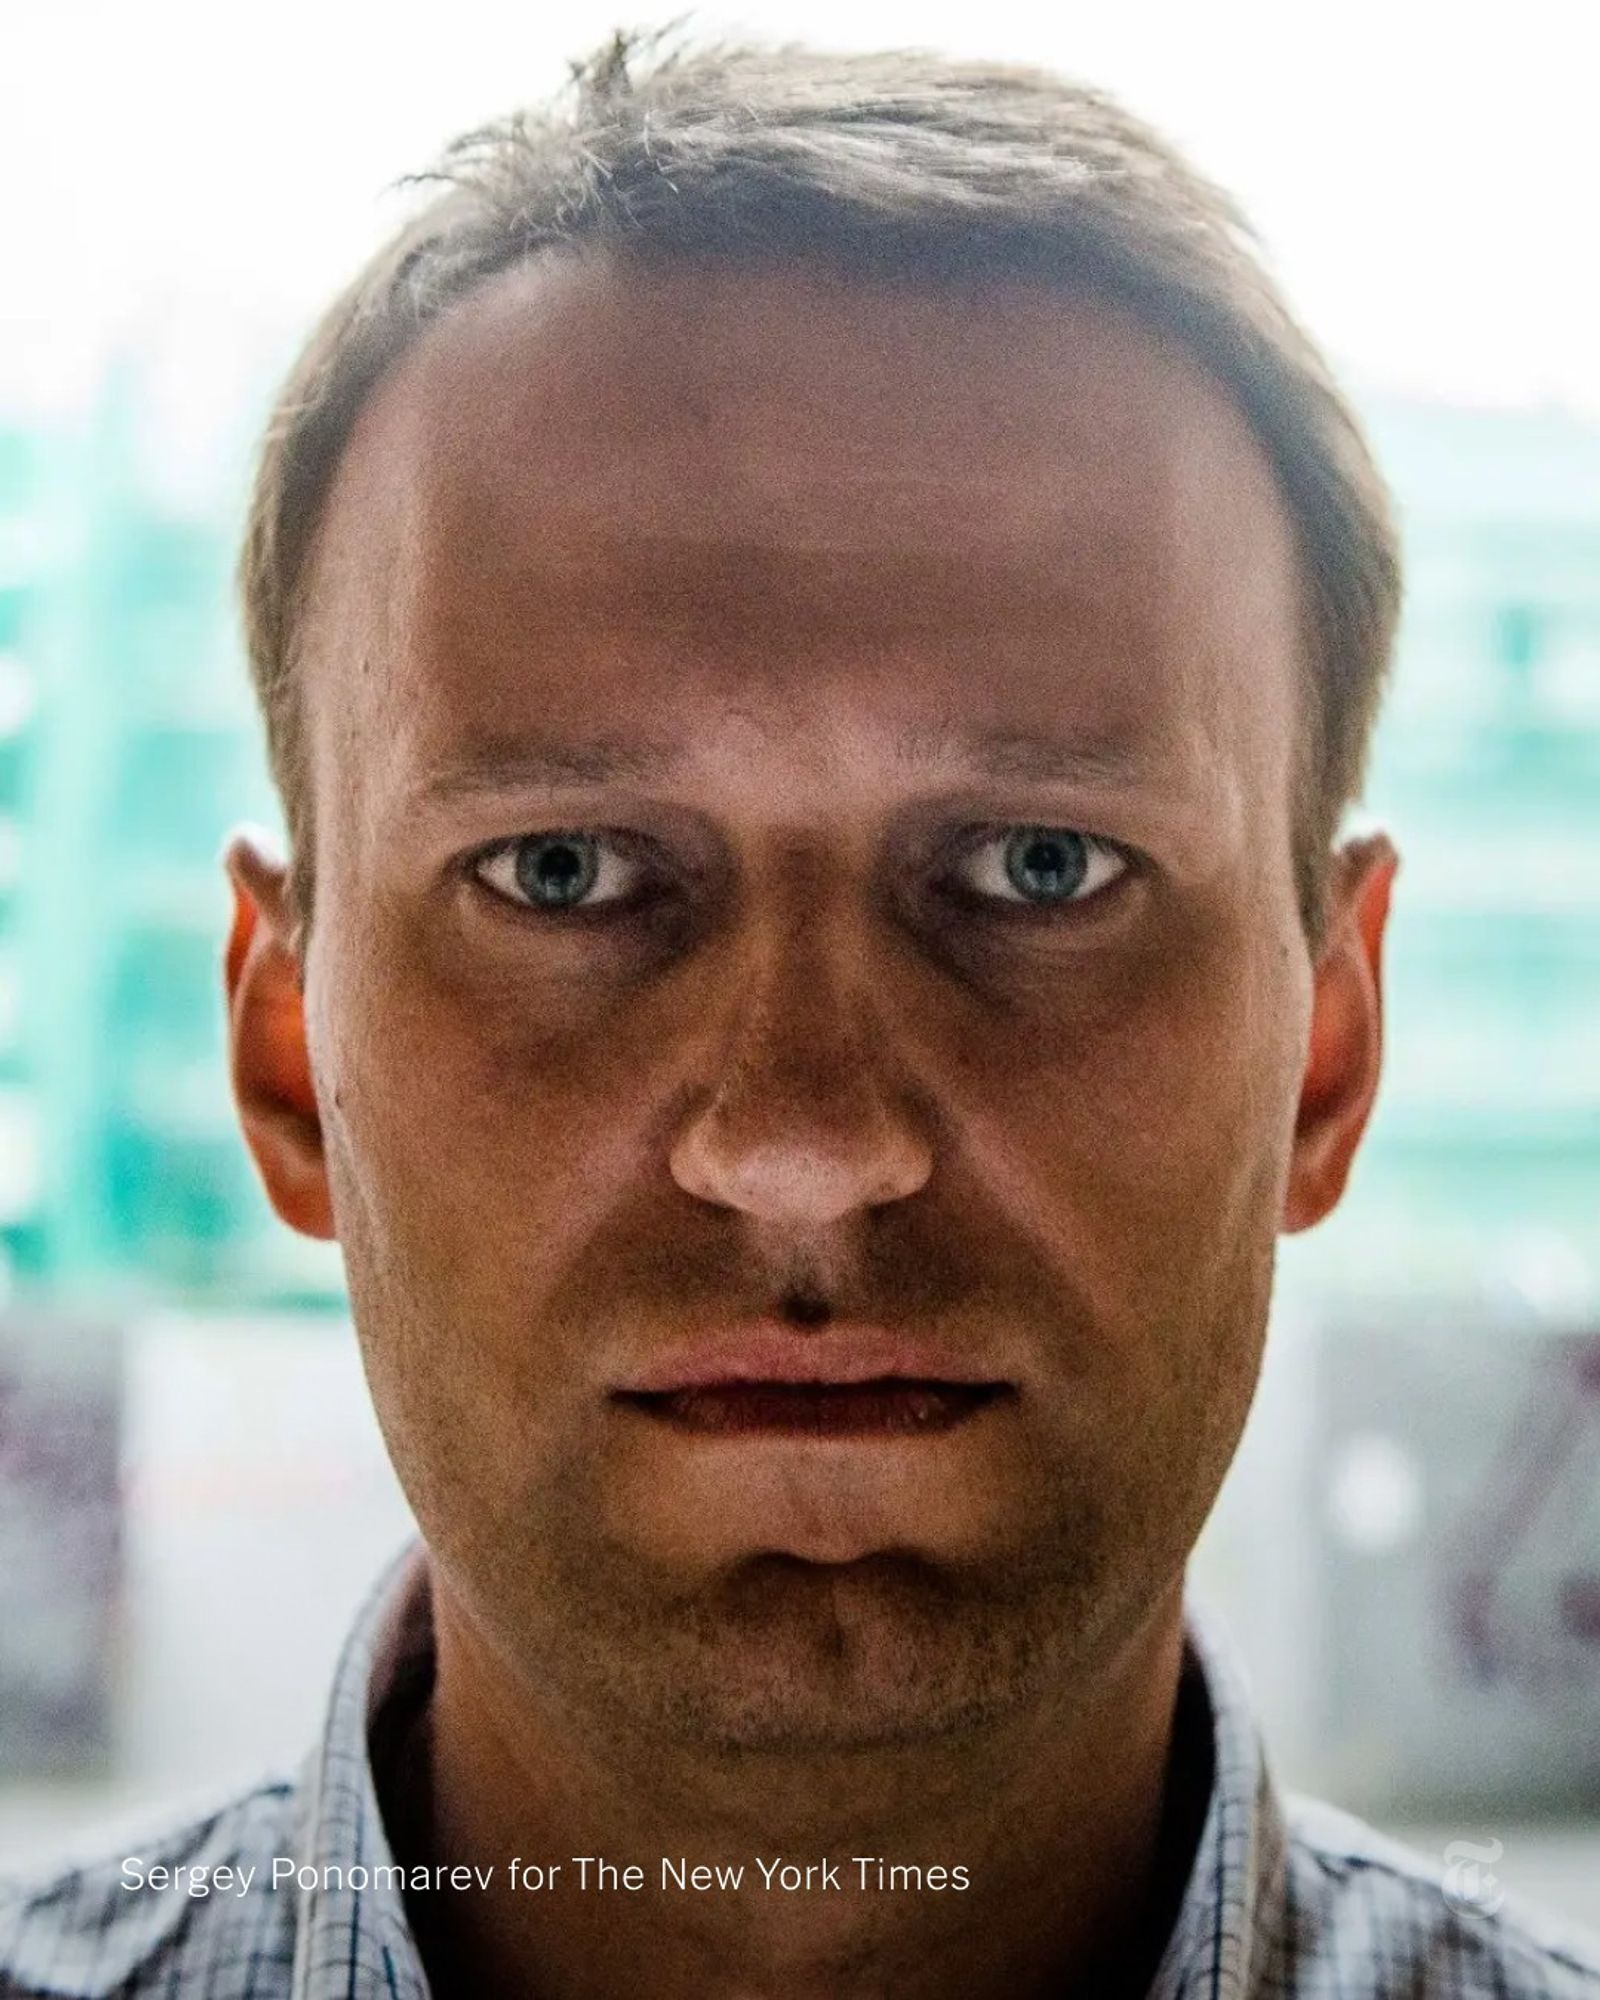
887, 1405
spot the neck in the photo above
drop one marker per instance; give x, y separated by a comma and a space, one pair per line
1047, 1856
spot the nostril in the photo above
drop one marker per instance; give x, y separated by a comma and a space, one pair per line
804, 1309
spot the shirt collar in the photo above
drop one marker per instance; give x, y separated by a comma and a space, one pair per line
358, 1940
1234, 1899
350, 1939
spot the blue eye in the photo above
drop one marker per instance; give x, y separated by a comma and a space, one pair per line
1042, 865
557, 871
1029, 866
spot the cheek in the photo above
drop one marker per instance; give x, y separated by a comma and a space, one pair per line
475, 1157
1145, 1103
484, 1122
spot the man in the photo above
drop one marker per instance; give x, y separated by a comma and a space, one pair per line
816, 620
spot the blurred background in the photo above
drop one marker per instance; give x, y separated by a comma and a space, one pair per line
193, 1495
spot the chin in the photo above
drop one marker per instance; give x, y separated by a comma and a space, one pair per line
785, 1654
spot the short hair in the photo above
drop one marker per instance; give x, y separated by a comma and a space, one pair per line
905, 164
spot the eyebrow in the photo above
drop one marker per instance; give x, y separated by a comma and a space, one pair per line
506, 765
1021, 753
517, 764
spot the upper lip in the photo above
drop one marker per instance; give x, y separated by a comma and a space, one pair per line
769, 1351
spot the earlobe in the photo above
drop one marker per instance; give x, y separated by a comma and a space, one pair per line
269, 1060
1345, 1055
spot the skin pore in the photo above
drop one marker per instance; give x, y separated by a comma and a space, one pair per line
789, 599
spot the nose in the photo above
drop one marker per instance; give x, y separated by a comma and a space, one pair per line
800, 1125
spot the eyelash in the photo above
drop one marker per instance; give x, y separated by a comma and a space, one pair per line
1003, 909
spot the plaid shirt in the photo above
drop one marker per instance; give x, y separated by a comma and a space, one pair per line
1286, 1897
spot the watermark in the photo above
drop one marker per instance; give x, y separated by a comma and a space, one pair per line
1470, 1886
868, 1874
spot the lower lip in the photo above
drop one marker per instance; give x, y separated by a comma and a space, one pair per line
889, 1408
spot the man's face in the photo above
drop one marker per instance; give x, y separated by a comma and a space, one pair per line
852, 587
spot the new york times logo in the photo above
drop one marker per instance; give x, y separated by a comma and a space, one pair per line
1469, 1886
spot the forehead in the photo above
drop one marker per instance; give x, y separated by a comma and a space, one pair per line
593, 487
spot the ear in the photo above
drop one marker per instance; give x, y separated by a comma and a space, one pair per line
269, 1064
1346, 1045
